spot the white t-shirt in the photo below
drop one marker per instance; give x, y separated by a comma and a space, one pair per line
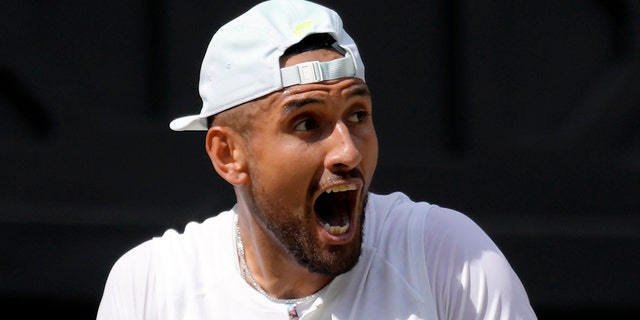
419, 261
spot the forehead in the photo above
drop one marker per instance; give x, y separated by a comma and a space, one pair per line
333, 92
337, 93
344, 89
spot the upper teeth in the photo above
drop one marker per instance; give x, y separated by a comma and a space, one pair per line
342, 187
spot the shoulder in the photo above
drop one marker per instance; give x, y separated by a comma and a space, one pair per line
391, 217
393, 210
397, 212
174, 254
397, 227
447, 253
196, 236
469, 274
441, 236
173, 246
157, 270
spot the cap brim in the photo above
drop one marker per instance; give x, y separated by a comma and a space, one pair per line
189, 123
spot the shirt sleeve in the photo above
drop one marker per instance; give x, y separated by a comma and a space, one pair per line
470, 277
129, 286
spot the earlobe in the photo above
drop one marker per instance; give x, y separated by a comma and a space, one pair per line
226, 152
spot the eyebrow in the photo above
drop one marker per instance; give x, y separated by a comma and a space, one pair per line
297, 104
361, 91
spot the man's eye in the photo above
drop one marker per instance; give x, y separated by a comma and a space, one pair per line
306, 125
357, 117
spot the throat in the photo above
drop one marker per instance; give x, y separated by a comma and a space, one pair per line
286, 295
333, 212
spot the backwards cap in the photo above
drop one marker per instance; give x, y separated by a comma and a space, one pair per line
242, 61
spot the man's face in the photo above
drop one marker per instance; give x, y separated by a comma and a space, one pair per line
312, 154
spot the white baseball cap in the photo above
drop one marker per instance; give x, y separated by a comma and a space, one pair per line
242, 61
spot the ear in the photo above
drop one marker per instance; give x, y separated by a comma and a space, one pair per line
227, 152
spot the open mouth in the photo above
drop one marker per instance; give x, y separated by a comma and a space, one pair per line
334, 208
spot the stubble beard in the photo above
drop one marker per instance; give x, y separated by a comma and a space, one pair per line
301, 243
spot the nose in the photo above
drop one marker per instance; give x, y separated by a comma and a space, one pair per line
343, 154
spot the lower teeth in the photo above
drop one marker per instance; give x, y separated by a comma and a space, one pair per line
336, 229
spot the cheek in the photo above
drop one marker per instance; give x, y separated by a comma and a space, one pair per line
372, 156
285, 171
369, 150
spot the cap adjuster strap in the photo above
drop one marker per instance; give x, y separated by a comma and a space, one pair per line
315, 71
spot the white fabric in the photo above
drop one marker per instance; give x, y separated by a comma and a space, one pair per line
242, 61
419, 261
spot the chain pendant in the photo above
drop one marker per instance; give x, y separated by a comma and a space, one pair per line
293, 313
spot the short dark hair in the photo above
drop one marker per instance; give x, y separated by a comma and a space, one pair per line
311, 42
210, 120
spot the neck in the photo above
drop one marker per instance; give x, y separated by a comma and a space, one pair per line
270, 266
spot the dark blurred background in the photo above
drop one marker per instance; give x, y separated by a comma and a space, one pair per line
523, 114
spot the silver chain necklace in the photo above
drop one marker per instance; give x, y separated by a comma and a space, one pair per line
246, 273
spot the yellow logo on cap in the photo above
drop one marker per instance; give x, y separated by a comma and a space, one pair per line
299, 29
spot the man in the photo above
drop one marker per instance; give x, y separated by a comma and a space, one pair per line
289, 125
